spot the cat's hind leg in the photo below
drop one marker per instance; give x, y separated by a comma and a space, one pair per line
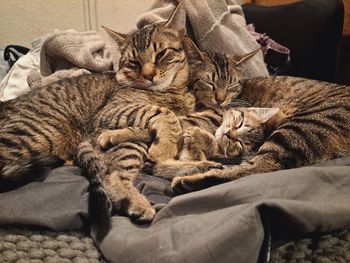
261, 163
172, 168
126, 199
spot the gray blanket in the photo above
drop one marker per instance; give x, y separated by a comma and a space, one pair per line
232, 222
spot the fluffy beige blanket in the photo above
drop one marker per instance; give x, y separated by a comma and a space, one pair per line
70, 53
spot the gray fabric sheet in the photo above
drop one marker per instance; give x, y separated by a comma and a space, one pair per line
224, 223
58, 202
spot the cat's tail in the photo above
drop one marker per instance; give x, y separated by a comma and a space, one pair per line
13, 175
89, 159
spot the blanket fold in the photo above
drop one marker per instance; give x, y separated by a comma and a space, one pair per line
70, 53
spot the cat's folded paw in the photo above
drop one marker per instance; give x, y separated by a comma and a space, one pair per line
103, 140
183, 184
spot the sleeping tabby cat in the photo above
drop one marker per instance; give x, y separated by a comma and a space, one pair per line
41, 128
317, 131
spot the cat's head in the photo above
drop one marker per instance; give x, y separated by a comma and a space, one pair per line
242, 129
215, 78
153, 57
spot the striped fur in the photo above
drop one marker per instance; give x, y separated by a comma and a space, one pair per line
317, 131
154, 66
241, 132
49, 121
149, 91
206, 121
128, 151
111, 175
215, 78
129, 114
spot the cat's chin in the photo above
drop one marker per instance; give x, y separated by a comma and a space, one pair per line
144, 84
159, 86
219, 135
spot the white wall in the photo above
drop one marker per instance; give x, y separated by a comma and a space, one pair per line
21, 21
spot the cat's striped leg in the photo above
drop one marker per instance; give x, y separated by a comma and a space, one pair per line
126, 198
167, 132
259, 164
125, 161
171, 168
110, 138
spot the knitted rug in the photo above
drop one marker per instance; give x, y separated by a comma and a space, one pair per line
38, 246
44, 246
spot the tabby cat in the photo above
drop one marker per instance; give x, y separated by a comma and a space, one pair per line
317, 131
41, 128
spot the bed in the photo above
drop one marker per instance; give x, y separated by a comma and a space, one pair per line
296, 215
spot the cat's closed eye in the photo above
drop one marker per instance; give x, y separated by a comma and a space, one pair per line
160, 55
209, 86
233, 86
239, 124
134, 64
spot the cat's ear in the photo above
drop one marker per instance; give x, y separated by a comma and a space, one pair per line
246, 57
117, 37
263, 114
191, 49
177, 20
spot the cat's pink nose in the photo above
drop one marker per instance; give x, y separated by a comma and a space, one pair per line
231, 134
220, 97
148, 71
